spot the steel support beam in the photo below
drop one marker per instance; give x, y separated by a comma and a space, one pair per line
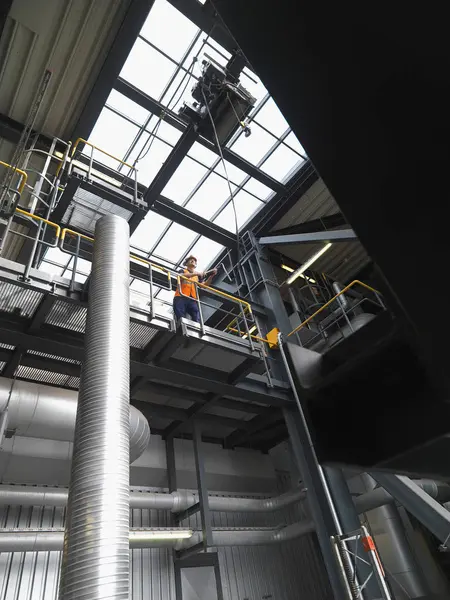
318, 502
171, 164
341, 235
423, 507
194, 222
171, 465
171, 118
205, 513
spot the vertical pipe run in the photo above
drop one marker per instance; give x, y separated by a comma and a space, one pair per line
96, 553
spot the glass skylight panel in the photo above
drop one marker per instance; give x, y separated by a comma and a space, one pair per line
235, 174
258, 189
168, 29
271, 118
203, 155
147, 69
292, 141
166, 132
111, 133
210, 197
205, 250
79, 277
149, 231
127, 107
175, 242
281, 162
246, 206
184, 180
151, 161
255, 147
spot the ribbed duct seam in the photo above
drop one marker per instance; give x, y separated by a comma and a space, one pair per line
96, 543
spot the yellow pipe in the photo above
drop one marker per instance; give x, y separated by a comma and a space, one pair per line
356, 281
35, 217
24, 176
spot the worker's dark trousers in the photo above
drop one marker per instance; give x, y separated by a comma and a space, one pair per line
186, 307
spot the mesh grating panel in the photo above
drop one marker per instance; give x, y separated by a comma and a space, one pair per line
42, 376
73, 382
86, 208
141, 335
7, 347
2, 366
54, 357
18, 300
68, 316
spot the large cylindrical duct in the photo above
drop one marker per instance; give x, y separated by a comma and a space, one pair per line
95, 561
40, 540
41, 411
22, 495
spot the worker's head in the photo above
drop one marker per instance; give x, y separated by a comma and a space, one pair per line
190, 263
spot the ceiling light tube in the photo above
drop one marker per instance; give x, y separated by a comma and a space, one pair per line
308, 263
175, 534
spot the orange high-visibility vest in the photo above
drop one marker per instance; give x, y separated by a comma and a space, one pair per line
187, 286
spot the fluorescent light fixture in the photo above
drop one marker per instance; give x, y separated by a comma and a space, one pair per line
291, 270
308, 263
170, 534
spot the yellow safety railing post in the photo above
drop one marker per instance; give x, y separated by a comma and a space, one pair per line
23, 175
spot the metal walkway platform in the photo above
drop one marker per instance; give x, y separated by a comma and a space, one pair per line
176, 373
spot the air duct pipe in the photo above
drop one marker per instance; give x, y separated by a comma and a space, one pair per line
377, 497
22, 495
95, 562
41, 411
41, 540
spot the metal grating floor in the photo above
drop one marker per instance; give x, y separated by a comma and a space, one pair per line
67, 316
86, 208
141, 335
54, 357
18, 300
48, 377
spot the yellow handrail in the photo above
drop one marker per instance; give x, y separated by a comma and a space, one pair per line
163, 269
356, 281
23, 175
255, 337
216, 291
37, 218
83, 141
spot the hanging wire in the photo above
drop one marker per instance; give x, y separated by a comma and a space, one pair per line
219, 148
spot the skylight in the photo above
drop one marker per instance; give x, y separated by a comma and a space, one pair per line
164, 64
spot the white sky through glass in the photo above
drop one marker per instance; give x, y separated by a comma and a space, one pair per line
271, 146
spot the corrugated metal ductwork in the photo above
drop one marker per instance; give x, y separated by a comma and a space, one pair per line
40, 540
41, 411
96, 553
22, 495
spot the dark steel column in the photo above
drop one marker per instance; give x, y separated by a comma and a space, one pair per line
349, 519
205, 513
96, 544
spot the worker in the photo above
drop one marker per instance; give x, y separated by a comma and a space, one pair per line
185, 302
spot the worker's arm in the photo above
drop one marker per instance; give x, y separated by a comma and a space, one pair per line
211, 275
188, 275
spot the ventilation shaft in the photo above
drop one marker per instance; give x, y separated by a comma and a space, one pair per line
96, 542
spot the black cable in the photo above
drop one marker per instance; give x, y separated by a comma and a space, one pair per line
225, 169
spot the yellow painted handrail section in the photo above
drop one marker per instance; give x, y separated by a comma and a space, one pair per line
83, 141
355, 282
23, 178
159, 268
42, 220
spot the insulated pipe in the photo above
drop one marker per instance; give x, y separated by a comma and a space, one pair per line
41, 411
95, 561
379, 496
23, 495
41, 540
